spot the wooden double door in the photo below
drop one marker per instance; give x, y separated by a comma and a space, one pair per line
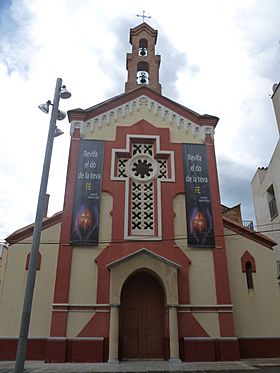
141, 318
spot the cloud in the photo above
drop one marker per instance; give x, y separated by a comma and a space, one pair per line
16, 46
173, 62
234, 180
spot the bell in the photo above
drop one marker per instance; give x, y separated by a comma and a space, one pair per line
142, 51
143, 79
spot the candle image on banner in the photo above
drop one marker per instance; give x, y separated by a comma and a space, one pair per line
197, 196
86, 209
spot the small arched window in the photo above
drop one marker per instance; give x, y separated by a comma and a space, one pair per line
249, 275
143, 47
38, 264
248, 266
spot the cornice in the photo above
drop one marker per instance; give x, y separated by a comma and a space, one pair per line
143, 251
27, 231
115, 115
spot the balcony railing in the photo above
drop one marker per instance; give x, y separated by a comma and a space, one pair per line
248, 224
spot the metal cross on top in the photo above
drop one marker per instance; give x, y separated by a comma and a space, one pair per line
143, 16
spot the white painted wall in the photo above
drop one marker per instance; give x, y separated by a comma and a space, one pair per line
262, 180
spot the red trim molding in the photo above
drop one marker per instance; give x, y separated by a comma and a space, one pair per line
27, 231
251, 235
64, 261
82, 350
209, 349
219, 252
247, 257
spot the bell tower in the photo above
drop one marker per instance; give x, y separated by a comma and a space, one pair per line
143, 64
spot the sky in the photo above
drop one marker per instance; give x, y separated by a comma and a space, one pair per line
218, 57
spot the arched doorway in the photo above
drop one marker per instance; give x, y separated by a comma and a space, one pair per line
141, 318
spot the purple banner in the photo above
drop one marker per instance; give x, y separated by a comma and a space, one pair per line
198, 198
86, 209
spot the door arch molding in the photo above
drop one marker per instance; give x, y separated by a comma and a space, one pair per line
164, 269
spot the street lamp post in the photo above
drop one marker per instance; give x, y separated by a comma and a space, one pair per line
60, 92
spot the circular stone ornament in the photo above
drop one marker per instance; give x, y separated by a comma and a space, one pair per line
142, 168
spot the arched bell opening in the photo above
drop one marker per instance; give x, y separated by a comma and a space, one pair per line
142, 73
142, 317
143, 47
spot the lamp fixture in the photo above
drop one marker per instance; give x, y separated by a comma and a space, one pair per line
45, 107
58, 132
64, 93
61, 115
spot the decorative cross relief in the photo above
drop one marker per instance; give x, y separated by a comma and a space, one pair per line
143, 166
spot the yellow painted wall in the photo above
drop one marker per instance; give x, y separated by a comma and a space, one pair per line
256, 313
209, 322
84, 271
3, 264
11, 300
201, 271
76, 321
83, 278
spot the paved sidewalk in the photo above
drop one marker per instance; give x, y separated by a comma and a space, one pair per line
256, 365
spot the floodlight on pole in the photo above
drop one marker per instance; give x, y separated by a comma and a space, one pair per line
58, 132
56, 114
45, 107
61, 115
64, 93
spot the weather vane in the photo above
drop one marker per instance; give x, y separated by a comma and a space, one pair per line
143, 16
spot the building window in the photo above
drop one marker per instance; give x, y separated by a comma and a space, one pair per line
272, 202
248, 266
143, 47
278, 269
38, 264
249, 275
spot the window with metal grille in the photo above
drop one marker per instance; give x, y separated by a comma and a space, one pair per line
272, 202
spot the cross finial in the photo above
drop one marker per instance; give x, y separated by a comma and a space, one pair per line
143, 16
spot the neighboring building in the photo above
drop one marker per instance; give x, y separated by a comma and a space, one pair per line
142, 263
266, 190
3, 261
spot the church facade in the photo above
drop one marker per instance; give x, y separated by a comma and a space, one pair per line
143, 262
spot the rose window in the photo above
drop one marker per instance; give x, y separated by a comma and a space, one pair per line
142, 168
